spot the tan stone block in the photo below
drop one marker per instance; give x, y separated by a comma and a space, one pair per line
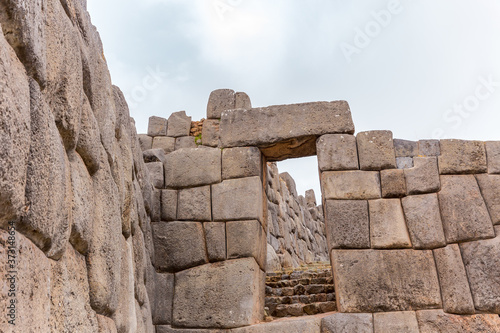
165, 143
337, 152
359, 185
347, 323
393, 183
430, 320
215, 233
376, 150
423, 177
157, 126
220, 100
246, 239
192, 167
241, 162
490, 189
493, 156
395, 322
210, 132
460, 156
387, 225
347, 224
179, 124
194, 204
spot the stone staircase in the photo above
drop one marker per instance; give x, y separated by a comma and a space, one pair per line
305, 291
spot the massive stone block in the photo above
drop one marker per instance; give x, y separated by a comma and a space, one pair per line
423, 220
220, 100
242, 101
238, 199
347, 323
241, 162
145, 141
460, 156
405, 148
164, 289
490, 189
157, 126
493, 156
395, 322
164, 142
156, 173
376, 150
399, 280
482, 262
185, 142
347, 224
210, 133
168, 205
359, 185
455, 289
194, 204
178, 124
423, 177
284, 127
436, 321
89, 138
215, 234
464, 213
387, 224
192, 167
246, 239
178, 245
337, 152
429, 148
393, 183
220, 295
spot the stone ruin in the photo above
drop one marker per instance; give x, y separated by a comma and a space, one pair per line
100, 241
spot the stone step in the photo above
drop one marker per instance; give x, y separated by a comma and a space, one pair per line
302, 281
300, 289
299, 309
304, 299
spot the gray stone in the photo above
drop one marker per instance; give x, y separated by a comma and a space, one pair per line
337, 152
405, 148
395, 322
490, 189
455, 291
393, 183
140, 265
460, 156
423, 220
387, 225
246, 239
145, 141
153, 155
285, 124
220, 100
464, 213
290, 183
89, 138
168, 205
164, 142
310, 199
185, 142
482, 262
178, 245
156, 173
106, 325
241, 162
361, 185
423, 177
305, 324
155, 206
347, 323
242, 101
429, 148
234, 297
347, 224
157, 126
179, 124
238, 199
193, 167
376, 150
164, 289
210, 133
215, 234
399, 280
493, 156
404, 162
436, 321
273, 261
194, 204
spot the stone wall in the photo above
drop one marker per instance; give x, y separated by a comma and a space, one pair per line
74, 192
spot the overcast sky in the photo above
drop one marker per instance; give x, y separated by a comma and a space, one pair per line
423, 69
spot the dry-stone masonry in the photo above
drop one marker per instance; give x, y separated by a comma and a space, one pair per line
104, 242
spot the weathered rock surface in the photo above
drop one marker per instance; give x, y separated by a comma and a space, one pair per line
393, 183
376, 150
493, 156
204, 167
387, 225
436, 321
359, 185
347, 323
220, 100
460, 156
179, 124
215, 234
337, 152
241, 162
490, 189
347, 224
157, 126
423, 177
194, 204
395, 322
246, 239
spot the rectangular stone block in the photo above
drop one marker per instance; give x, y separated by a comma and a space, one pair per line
404, 162
387, 225
246, 239
482, 262
220, 100
164, 142
393, 183
242, 101
376, 150
429, 148
347, 323
210, 133
405, 148
155, 206
460, 156
145, 141
185, 142
238, 199
215, 234
226, 294
493, 156
195, 204
423, 220
490, 189
395, 322
157, 126
347, 224
337, 152
241, 162
358, 185
153, 155
178, 245
398, 280
168, 205
455, 290
262, 127
164, 296
433, 321
179, 124
192, 167
423, 177
464, 213
156, 173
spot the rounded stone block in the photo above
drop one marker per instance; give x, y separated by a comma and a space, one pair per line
179, 124
220, 100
